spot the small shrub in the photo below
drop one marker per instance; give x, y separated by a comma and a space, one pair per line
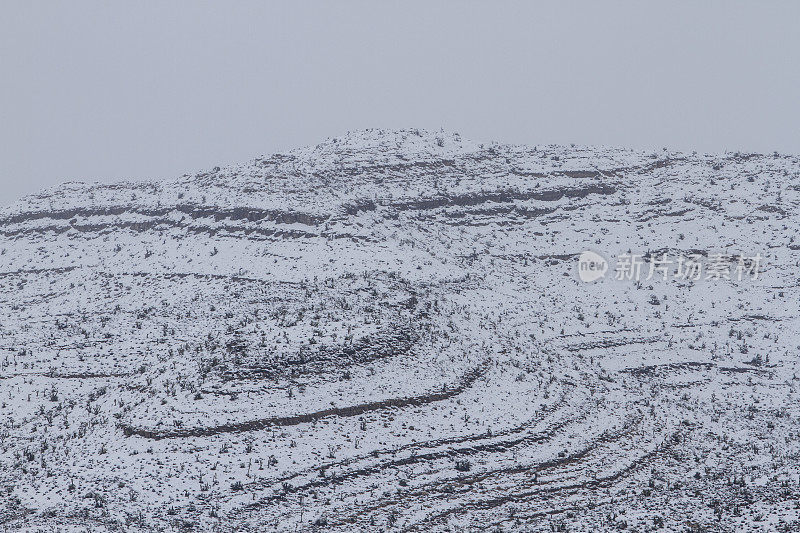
463, 465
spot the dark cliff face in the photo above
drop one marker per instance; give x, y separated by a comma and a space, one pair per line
389, 328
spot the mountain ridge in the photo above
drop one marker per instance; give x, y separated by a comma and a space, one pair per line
354, 337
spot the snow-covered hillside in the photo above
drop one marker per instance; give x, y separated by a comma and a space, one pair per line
387, 331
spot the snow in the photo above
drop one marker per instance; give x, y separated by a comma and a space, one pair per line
327, 335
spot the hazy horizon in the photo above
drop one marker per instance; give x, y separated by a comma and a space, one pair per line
110, 92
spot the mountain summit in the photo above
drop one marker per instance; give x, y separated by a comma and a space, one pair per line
389, 330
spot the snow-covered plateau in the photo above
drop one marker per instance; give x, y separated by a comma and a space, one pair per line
387, 332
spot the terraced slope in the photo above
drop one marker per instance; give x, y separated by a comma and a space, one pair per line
387, 332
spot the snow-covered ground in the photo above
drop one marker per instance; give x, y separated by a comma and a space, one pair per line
387, 331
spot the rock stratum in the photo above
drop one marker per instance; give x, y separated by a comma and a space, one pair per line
386, 332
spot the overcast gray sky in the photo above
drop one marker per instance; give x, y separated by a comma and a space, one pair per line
110, 90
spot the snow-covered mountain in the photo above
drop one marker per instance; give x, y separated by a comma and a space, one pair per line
387, 331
